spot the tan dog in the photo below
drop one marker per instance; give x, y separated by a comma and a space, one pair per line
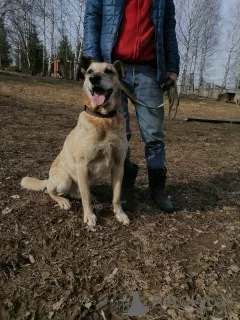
95, 147
238, 102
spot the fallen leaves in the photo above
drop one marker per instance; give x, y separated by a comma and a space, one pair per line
103, 301
56, 306
6, 210
200, 284
16, 196
234, 268
189, 309
47, 236
31, 258
111, 276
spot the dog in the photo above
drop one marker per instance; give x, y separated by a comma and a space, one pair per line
95, 147
238, 102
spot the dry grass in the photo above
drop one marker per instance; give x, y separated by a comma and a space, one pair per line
52, 267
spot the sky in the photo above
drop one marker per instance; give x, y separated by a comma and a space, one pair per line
217, 69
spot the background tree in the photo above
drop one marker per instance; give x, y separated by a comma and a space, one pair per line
32, 62
52, 32
233, 46
5, 58
79, 38
65, 55
41, 6
198, 31
189, 23
209, 37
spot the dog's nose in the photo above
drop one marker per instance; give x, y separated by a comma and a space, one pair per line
95, 78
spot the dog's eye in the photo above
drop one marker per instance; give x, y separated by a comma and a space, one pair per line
90, 71
108, 71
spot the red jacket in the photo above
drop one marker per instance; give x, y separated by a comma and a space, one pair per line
136, 37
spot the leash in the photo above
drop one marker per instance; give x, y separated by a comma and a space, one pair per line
169, 86
129, 94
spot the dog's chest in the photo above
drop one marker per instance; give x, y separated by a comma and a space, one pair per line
105, 153
104, 156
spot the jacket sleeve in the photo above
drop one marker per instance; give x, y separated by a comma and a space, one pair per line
170, 39
92, 29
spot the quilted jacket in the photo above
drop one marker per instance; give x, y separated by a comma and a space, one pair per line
101, 25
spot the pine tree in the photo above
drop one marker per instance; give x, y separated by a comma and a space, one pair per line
66, 56
36, 52
65, 50
5, 59
32, 56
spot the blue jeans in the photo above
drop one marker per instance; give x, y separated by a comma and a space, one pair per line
141, 81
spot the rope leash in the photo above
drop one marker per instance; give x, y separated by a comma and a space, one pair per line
173, 98
169, 86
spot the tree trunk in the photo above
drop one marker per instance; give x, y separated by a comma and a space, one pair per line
44, 38
78, 44
232, 46
206, 38
27, 32
1, 27
52, 39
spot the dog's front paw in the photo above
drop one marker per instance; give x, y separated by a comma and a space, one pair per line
64, 204
123, 218
90, 219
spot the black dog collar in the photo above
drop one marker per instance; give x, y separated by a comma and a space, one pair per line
111, 114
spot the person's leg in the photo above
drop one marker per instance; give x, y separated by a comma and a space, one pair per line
150, 119
124, 111
127, 82
130, 169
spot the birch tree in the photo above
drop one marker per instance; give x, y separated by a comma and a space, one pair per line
4, 46
52, 27
44, 37
79, 38
198, 35
210, 36
234, 36
189, 18
21, 27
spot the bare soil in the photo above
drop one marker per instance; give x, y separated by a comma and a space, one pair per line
184, 266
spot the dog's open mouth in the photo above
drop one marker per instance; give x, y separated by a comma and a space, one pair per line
100, 96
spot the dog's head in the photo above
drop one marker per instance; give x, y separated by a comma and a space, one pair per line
101, 90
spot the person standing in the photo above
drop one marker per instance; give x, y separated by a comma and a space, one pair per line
141, 34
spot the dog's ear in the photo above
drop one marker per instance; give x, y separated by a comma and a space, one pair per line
119, 67
85, 63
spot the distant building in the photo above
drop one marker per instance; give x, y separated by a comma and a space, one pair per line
65, 71
230, 95
61, 70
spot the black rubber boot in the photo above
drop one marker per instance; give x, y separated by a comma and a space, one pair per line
157, 180
129, 177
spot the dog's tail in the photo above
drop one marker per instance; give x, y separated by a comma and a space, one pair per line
33, 184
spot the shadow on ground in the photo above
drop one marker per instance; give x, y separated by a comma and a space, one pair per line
222, 190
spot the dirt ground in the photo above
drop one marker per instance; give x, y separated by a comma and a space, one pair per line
182, 266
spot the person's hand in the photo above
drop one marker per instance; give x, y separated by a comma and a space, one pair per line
171, 80
172, 75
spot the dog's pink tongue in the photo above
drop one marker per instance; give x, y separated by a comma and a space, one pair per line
98, 99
